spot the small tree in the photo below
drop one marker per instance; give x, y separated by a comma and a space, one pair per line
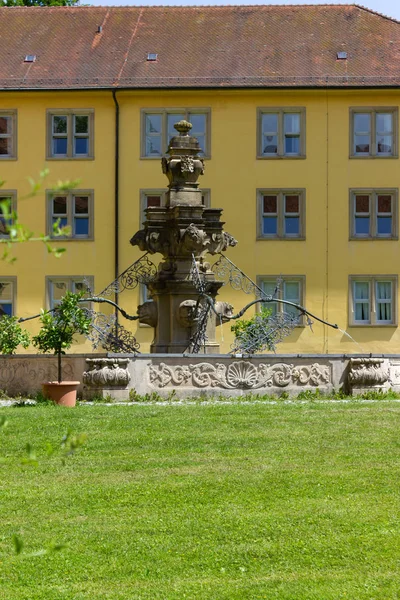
12, 335
60, 326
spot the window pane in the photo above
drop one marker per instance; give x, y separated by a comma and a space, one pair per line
270, 225
153, 201
362, 311
384, 204
292, 291
81, 205
5, 290
268, 287
384, 312
60, 146
384, 123
384, 290
362, 143
270, 123
384, 144
362, 225
361, 290
6, 309
59, 124
362, 204
198, 122
80, 286
384, 225
81, 226
292, 145
5, 146
153, 123
5, 125
292, 204
292, 123
60, 221
81, 146
292, 225
59, 205
270, 145
153, 146
58, 290
270, 204
81, 124
362, 123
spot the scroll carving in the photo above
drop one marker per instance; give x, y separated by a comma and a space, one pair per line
238, 375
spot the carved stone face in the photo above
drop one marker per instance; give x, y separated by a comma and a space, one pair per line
224, 311
148, 313
186, 313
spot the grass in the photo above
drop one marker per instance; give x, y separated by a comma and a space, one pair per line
205, 502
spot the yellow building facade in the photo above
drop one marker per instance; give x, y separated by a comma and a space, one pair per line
308, 180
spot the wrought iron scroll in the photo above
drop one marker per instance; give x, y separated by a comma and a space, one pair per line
110, 335
142, 270
227, 272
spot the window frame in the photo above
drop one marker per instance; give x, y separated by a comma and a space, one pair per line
281, 193
372, 281
373, 111
13, 113
8, 195
301, 279
13, 281
373, 193
70, 113
70, 280
50, 195
164, 112
281, 111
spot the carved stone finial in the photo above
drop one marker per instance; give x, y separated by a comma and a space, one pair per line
183, 127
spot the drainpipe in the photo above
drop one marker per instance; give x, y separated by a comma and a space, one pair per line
116, 201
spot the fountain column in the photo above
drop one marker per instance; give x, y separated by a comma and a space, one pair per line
180, 231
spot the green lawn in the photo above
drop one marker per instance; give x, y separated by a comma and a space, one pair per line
210, 502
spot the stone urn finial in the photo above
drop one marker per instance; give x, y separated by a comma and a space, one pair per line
183, 127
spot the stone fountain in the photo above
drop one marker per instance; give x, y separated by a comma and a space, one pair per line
183, 232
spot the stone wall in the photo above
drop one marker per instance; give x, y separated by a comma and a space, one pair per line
202, 375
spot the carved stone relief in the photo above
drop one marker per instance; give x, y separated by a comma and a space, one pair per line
367, 372
107, 372
238, 375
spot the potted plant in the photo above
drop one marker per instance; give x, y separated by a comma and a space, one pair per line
59, 328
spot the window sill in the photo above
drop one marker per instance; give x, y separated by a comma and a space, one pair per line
372, 325
8, 157
288, 157
393, 238
159, 157
60, 238
65, 158
370, 156
280, 239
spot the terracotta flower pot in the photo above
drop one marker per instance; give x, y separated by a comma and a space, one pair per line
63, 393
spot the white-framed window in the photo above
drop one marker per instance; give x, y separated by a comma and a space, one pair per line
373, 132
281, 132
373, 214
8, 134
10, 197
373, 300
70, 134
150, 198
58, 286
290, 288
74, 209
281, 214
8, 294
158, 129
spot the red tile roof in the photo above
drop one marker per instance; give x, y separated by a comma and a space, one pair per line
204, 46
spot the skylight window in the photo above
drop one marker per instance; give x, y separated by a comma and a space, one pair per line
342, 55
30, 58
151, 56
